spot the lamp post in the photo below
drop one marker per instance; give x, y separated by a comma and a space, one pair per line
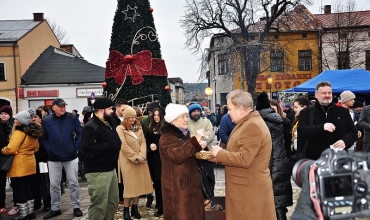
269, 81
209, 91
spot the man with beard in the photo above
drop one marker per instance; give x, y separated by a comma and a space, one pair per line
59, 130
332, 125
101, 144
195, 123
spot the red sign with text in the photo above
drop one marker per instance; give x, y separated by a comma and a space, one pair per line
42, 93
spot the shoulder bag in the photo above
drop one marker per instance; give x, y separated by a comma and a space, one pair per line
7, 160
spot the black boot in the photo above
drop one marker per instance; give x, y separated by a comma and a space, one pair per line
281, 214
126, 213
134, 212
149, 200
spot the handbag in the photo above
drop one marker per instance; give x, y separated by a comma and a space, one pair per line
7, 160
206, 183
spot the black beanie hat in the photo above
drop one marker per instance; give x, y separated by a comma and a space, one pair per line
358, 104
263, 101
102, 103
38, 113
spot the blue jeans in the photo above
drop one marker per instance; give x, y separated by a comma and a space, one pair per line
103, 191
55, 174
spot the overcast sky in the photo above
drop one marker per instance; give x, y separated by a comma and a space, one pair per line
88, 24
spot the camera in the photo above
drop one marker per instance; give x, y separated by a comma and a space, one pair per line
339, 181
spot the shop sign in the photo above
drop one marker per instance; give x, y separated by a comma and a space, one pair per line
42, 93
86, 92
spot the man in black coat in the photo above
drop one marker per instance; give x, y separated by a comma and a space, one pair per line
101, 145
332, 125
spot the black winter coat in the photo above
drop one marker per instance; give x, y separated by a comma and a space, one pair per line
153, 157
101, 145
279, 164
319, 139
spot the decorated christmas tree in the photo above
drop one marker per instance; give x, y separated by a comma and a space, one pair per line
135, 69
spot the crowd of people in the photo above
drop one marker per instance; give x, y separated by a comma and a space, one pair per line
126, 154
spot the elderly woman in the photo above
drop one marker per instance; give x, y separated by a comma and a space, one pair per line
248, 186
132, 163
181, 188
23, 144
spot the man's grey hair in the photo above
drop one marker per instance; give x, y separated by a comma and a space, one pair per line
240, 98
322, 84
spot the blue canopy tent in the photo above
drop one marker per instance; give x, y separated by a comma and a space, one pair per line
355, 80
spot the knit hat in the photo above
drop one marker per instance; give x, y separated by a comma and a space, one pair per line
38, 113
347, 96
102, 103
129, 112
194, 106
87, 108
7, 109
358, 104
263, 101
173, 111
23, 117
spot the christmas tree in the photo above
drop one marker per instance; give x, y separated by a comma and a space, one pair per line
135, 70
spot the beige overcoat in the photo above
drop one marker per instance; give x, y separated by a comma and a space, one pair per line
135, 176
248, 186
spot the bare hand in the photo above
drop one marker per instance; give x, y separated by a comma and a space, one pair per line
142, 160
213, 160
201, 133
203, 144
329, 127
339, 144
215, 150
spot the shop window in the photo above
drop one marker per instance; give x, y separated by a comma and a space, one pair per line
304, 60
342, 35
252, 37
223, 64
2, 72
277, 61
304, 35
276, 37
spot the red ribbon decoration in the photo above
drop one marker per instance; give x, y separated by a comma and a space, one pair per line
140, 64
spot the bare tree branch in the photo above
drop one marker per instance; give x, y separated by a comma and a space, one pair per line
59, 31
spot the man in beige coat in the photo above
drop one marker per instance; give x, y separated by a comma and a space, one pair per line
248, 183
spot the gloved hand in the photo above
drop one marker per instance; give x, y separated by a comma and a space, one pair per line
304, 209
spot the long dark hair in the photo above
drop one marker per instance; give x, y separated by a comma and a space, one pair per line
302, 101
154, 126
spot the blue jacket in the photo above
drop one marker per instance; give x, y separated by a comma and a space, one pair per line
226, 127
61, 137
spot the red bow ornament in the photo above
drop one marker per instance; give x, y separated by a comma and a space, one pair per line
135, 66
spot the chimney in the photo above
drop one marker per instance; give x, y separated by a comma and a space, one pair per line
327, 9
38, 16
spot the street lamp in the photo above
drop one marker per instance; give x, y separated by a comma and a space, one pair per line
269, 81
209, 91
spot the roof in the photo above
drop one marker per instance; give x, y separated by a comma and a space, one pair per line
359, 18
298, 19
55, 66
341, 80
14, 30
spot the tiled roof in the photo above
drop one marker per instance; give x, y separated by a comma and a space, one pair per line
13, 30
55, 66
359, 18
299, 19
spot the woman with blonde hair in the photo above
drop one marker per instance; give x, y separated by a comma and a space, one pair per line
23, 144
132, 163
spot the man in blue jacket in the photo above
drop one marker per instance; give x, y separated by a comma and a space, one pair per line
61, 139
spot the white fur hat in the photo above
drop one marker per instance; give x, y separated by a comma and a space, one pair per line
173, 111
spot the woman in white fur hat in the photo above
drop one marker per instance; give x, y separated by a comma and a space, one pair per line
181, 187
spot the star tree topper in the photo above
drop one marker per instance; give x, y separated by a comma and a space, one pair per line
132, 11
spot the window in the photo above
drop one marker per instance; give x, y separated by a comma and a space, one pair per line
276, 37
223, 64
304, 59
368, 34
367, 60
2, 72
343, 60
277, 61
342, 35
304, 35
252, 37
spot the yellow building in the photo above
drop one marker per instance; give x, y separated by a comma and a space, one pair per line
21, 42
289, 57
